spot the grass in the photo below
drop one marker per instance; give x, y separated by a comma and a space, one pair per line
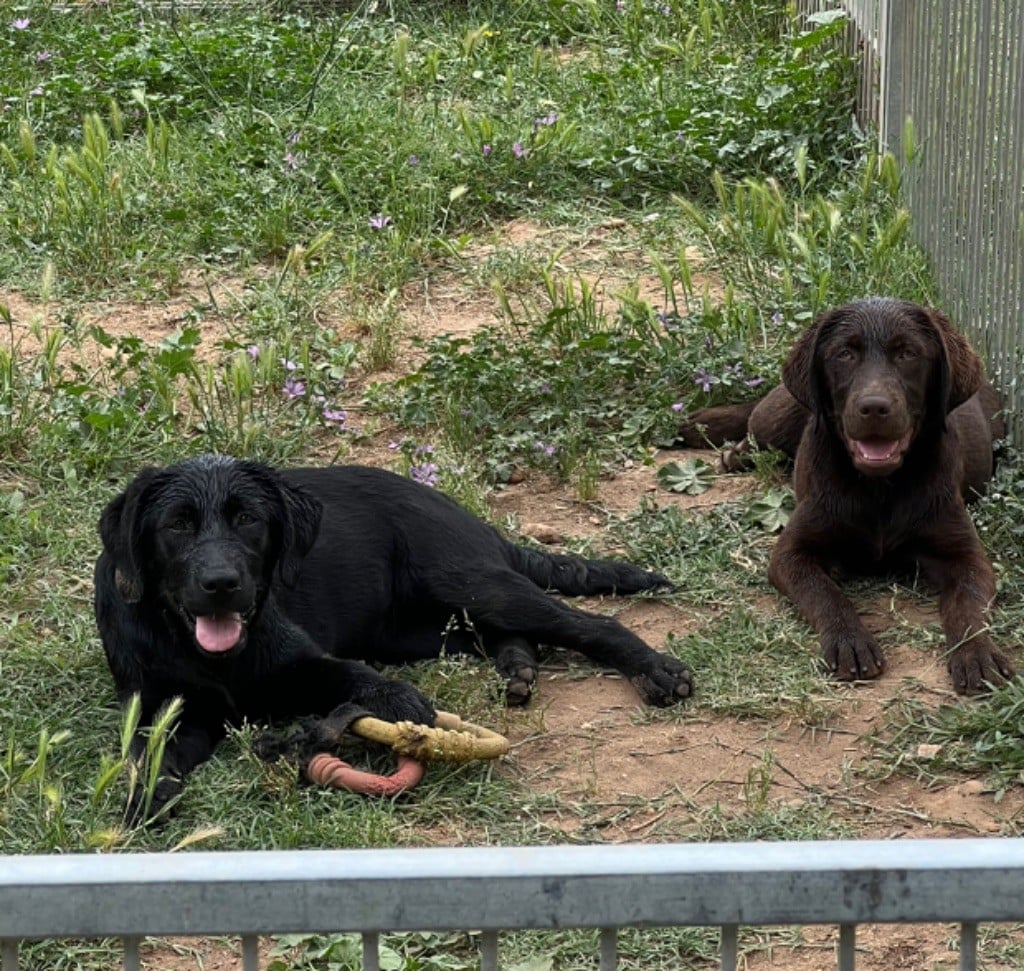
319, 166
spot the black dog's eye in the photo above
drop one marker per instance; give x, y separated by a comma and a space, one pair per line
846, 354
243, 518
182, 524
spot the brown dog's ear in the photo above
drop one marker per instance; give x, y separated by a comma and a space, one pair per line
962, 373
121, 532
798, 373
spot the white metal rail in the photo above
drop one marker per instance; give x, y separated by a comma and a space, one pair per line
502, 888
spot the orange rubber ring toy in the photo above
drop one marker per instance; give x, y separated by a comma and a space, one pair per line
451, 740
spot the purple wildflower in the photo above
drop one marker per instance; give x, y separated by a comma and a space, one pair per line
777, 318
43, 56
754, 382
288, 365
678, 406
293, 138
620, 5
36, 92
424, 474
21, 23
253, 350
517, 150
294, 389
414, 160
486, 150
379, 221
334, 414
547, 120
292, 161
424, 450
548, 450
704, 379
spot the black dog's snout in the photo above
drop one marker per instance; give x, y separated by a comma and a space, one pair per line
220, 580
874, 406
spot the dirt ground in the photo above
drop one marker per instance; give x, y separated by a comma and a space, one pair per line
582, 737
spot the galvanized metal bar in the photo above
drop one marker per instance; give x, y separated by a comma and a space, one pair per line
9, 954
250, 952
131, 952
608, 949
494, 888
371, 951
730, 947
489, 951
847, 947
968, 947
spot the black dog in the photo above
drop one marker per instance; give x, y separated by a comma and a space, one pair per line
249, 592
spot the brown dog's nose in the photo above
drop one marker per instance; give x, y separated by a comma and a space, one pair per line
874, 406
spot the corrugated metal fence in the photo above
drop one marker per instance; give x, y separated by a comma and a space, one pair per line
494, 889
943, 80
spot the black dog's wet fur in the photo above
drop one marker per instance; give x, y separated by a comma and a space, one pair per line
327, 566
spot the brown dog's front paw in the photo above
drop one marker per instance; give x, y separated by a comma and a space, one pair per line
853, 655
665, 681
978, 665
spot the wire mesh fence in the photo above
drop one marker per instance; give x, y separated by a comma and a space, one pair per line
943, 81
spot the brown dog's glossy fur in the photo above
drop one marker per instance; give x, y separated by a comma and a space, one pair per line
891, 423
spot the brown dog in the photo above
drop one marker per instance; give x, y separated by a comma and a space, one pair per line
891, 423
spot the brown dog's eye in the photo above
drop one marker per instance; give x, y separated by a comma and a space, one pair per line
846, 354
906, 354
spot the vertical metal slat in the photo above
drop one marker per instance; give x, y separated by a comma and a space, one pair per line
968, 947
371, 951
250, 952
609, 949
489, 951
131, 954
847, 947
730, 947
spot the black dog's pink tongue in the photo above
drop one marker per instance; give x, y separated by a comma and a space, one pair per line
218, 634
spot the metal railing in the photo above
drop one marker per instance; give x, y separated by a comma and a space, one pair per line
503, 888
943, 80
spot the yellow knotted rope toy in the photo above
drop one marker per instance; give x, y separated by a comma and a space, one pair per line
450, 740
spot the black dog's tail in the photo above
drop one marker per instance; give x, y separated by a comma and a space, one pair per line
576, 576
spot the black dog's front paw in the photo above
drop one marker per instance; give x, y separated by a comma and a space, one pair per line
395, 701
665, 681
852, 655
159, 809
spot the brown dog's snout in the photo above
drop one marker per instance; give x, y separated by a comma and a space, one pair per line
874, 406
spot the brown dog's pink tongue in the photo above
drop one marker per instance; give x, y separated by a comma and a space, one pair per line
876, 449
218, 634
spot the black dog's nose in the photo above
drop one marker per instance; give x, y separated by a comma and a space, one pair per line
874, 406
219, 581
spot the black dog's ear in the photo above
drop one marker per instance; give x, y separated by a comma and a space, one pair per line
121, 532
961, 373
302, 515
799, 374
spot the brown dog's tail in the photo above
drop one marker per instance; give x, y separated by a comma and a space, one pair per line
579, 577
715, 426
